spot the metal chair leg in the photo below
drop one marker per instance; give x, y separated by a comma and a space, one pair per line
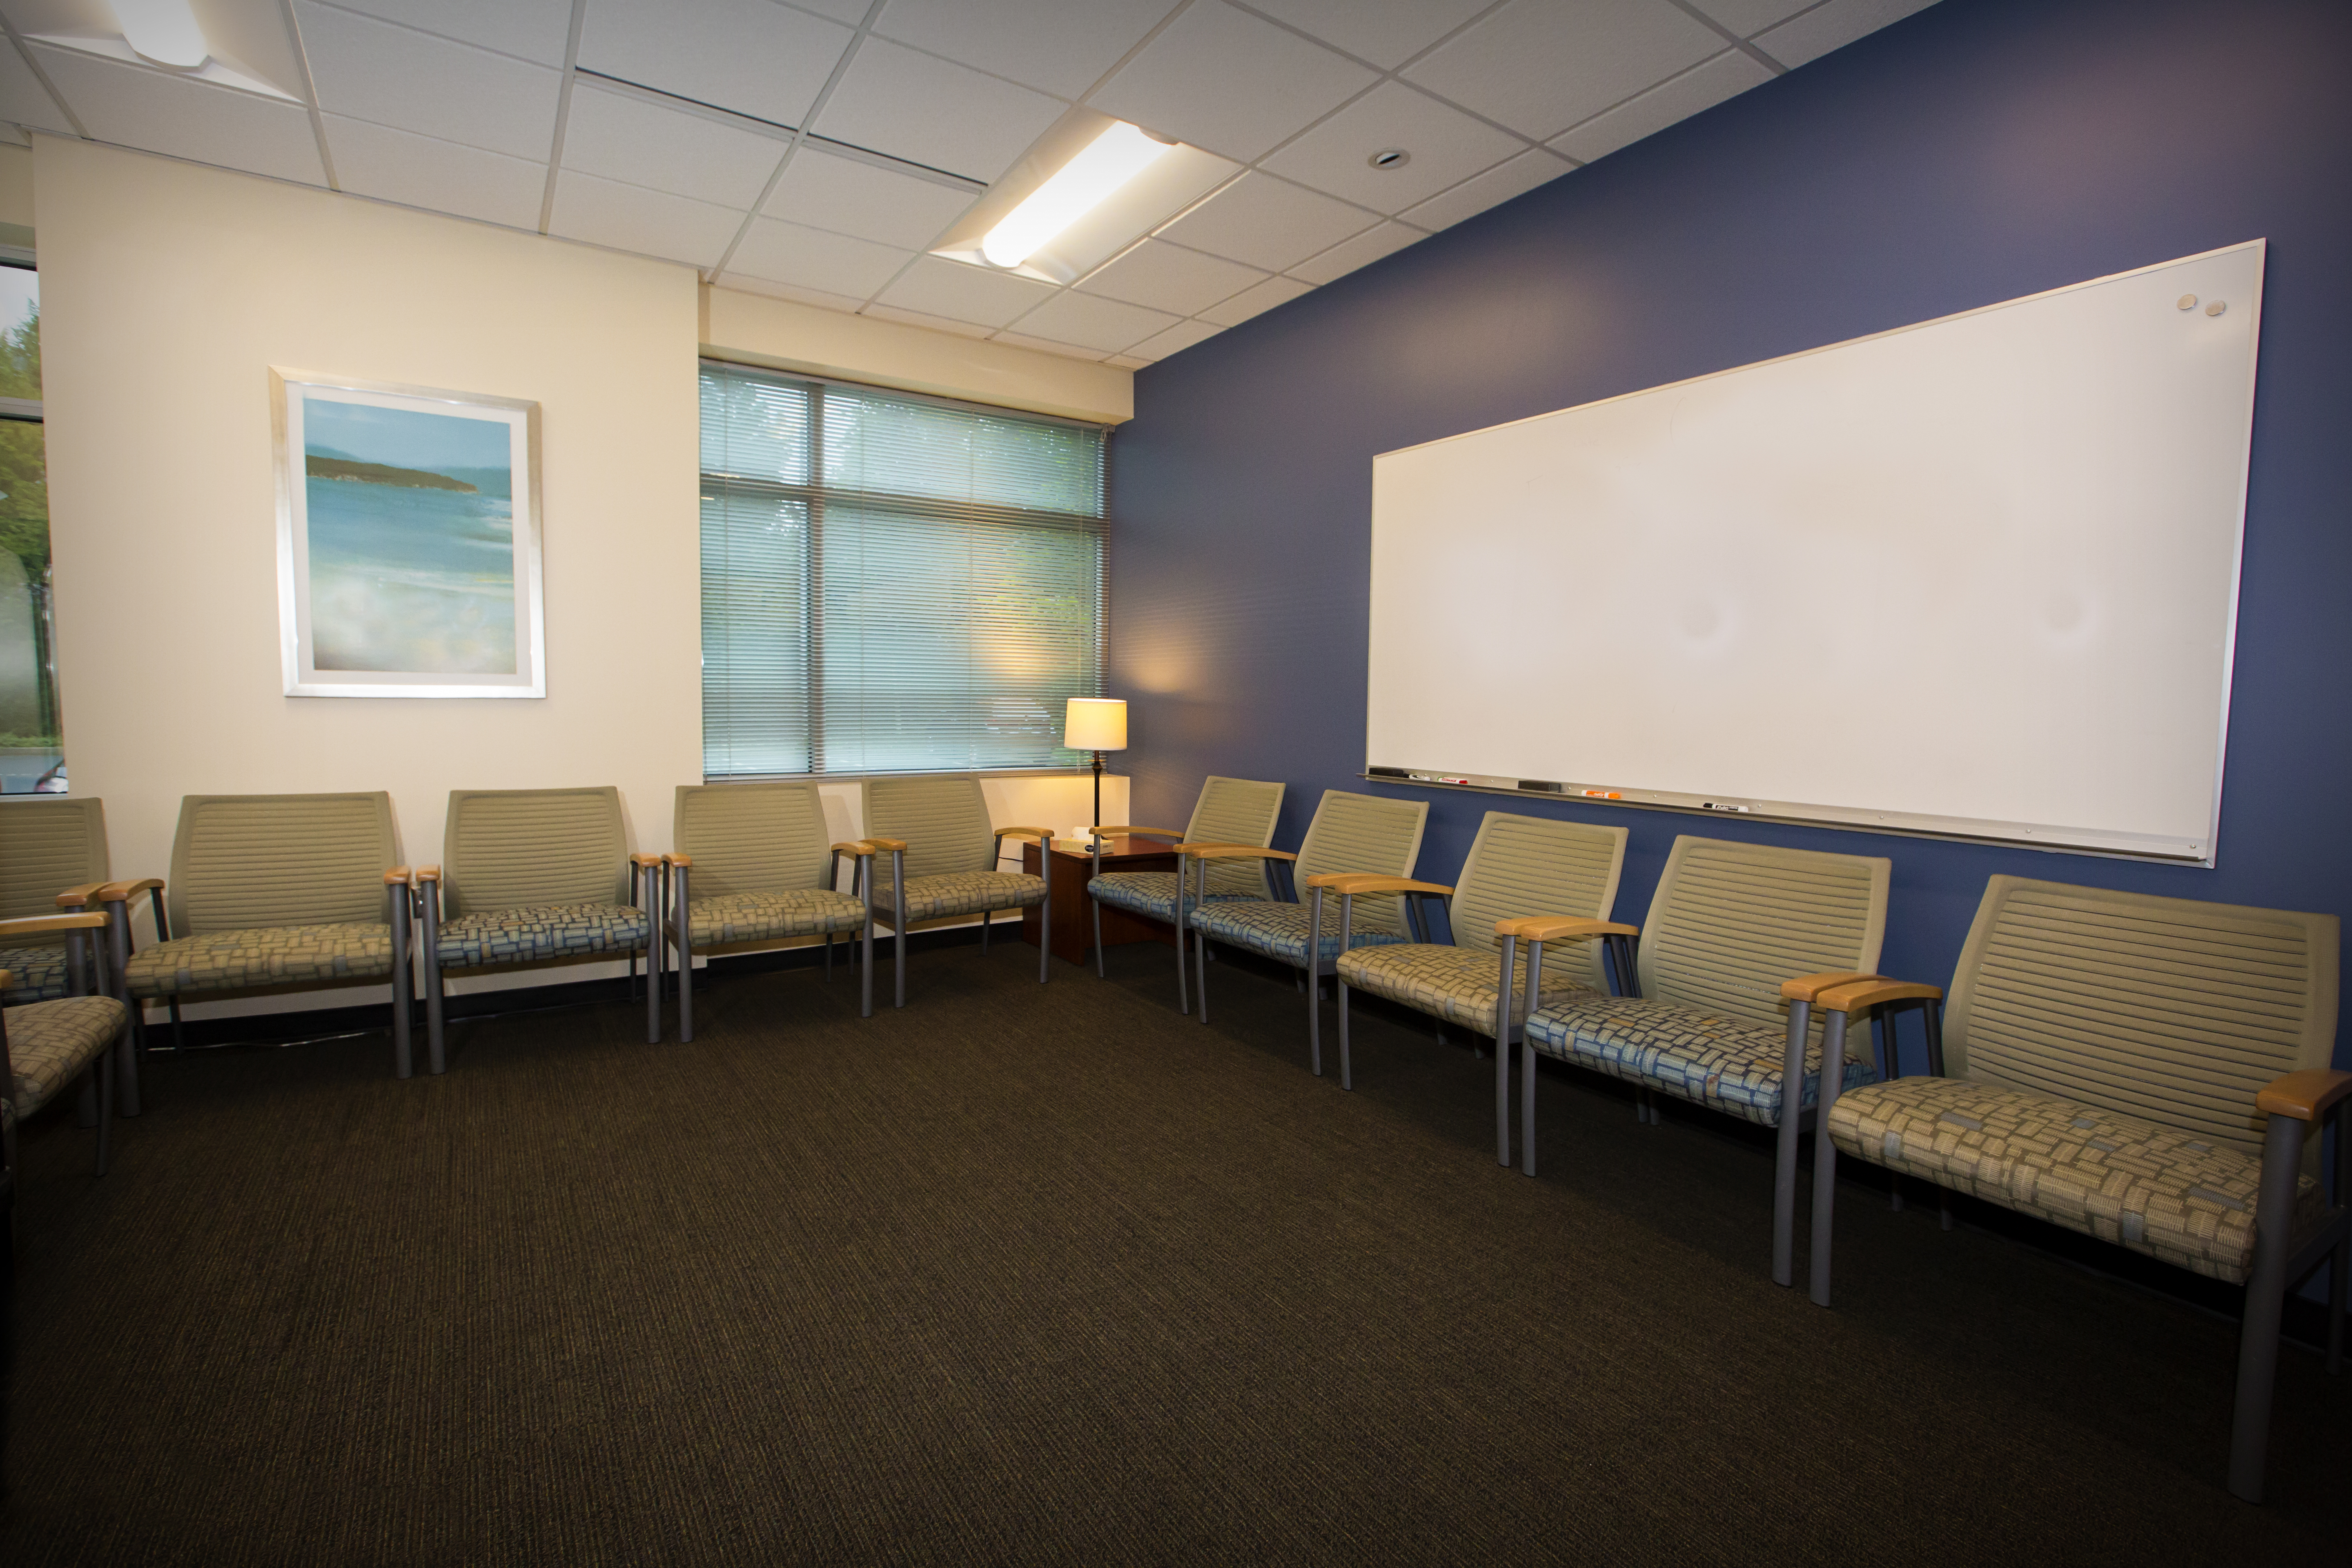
1784, 1159
1504, 988
987, 921
1100, 973
2266, 1284
1825, 1154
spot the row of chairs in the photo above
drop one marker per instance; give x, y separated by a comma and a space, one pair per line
2148, 1070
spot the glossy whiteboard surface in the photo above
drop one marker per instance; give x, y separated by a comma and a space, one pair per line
1977, 576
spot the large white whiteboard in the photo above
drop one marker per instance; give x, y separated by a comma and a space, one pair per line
1973, 577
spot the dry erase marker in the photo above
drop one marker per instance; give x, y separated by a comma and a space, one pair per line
1714, 805
1602, 794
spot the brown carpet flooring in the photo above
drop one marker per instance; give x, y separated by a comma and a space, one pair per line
1058, 1276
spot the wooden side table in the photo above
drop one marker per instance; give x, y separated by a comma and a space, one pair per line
1074, 919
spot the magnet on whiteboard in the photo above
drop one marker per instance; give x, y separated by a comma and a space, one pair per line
2189, 302
2217, 307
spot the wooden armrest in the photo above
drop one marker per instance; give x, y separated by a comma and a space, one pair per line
120, 892
40, 925
1872, 991
7, 979
1046, 834
1372, 882
685, 860
854, 846
429, 873
2306, 1095
1809, 987
1232, 852
642, 858
75, 898
1552, 928
897, 845
396, 878
1106, 831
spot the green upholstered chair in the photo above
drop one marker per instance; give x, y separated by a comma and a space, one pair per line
51, 847
1517, 865
762, 867
275, 890
1359, 833
2147, 1070
1739, 936
944, 861
46, 1046
1229, 811
532, 876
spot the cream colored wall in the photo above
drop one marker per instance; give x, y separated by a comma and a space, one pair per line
168, 292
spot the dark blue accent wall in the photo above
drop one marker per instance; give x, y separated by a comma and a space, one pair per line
1977, 152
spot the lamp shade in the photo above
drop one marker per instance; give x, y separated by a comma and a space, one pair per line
1095, 724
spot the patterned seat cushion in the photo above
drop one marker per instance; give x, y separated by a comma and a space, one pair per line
751, 917
49, 1043
1725, 1064
1148, 893
265, 956
1279, 931
1454, 984
35, 973
2148, 1187
963, 894
528, 932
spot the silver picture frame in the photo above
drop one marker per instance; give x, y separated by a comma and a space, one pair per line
397, 574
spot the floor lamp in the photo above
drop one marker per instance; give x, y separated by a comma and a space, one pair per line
1095, 724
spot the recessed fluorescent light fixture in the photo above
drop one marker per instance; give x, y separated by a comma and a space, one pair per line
1108, 162
165, 31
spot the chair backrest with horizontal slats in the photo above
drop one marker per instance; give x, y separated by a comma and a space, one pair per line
1538, 866
1236, 811
509, 848
1363, 833
765, 837
48, 844
2170, 1009
943, 818
1731, 921
246, 861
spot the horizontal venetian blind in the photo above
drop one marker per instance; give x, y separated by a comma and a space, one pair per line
892, 584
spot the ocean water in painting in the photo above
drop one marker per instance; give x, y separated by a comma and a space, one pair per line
411, 540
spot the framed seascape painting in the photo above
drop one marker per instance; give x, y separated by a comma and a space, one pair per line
408, 537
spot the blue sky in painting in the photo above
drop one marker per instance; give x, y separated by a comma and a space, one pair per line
403, 437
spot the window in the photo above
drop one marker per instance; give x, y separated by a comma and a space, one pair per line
32, 742
892, 584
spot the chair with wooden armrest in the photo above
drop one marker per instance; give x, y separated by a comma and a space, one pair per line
761, 868
2147, 1070
274, 890
50, 845
536, 876
1228, 812
1739, 938
943, 857
1517, 865
1359, 833
44, 1045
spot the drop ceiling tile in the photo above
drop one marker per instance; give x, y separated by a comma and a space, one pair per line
1703, 85
1749, 17
745, 283
1361, 251
441, 176
855, 198
1047, 345
641, 144
1832, 25
816, 258
749, 56
1256, 301
928, 323
1061, 47
651, 223
932, 113
1127, 362
850, 10
1386, 32
532, 29
1094, 323
1267, 223
23, 100
1496, 186
1540, 65
1175, 340
936, 287
156, 112
1171, 277
1230, 82
411, 81
1446, 147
